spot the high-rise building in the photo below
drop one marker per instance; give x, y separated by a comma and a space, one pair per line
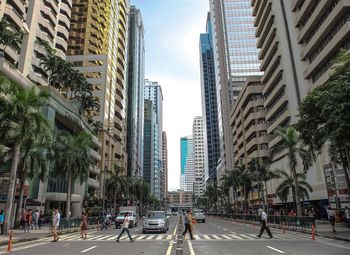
97, 47
298, 41
149, 143
153, 92
209, 103
136, 78
187, 166
198, 156
236, 58
49, 21
165, 165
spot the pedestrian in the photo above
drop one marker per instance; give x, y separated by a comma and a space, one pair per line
331, 217
55, 225
263, 218
36, 219
125, 228
41, 219
188, 221
292, 213
2, 218
23, 219
347, 215
29, 221
84, 225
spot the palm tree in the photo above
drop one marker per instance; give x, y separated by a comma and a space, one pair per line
20, 112
116, 184
261, 168
291, 141
72, 160
9, 36
212, 195
287, 185
34, 161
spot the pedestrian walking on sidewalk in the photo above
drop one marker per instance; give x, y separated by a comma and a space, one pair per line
55, 225
125, 228
263, 218
188, 221
84, 225
331, 217
29, 221
41, 219
36, 219
2, 218
347, 215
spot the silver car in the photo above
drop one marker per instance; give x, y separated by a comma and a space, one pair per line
155, 221
199, 215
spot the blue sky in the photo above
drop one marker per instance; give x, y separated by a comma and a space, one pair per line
172, 29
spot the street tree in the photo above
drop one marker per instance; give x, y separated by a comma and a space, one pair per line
291, 144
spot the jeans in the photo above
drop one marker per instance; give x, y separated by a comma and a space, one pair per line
263, 227
189, 229
125, 230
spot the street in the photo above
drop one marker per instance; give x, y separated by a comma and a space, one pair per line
213, 237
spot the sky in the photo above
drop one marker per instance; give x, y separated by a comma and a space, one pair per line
172, 29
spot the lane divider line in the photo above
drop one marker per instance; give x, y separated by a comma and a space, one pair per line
168, 252
275, 249
89, 249
191, 247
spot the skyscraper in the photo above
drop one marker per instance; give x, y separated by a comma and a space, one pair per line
235, 58
198, 156
187, 171
153, 93
165, 165
98, 48
209, 103
136, 78
149, 143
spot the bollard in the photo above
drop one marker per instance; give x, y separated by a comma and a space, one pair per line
313, 232
9, 245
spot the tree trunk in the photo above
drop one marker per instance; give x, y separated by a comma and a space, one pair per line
12, 189
115, 201
69, 195
297, 195
20, 199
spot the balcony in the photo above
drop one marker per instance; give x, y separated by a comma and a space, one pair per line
93, 183
95, 155
14, 16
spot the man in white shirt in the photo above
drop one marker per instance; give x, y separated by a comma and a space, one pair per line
263, 217
55, 225
347, 215
331, 217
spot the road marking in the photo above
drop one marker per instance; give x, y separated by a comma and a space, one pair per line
196, 236
93, 247
111, 238
191, 247
141, 237
233, 232
104, 237
171, 242
275, 249
206, 237
150, 237
93, 238
235, 236
224, 229
227, 237
215, 236
28, 246
245, 236
159, 237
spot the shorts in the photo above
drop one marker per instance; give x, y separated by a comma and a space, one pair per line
332, 220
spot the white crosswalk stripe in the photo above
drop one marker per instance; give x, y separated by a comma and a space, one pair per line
166, 237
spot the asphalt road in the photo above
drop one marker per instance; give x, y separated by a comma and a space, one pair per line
213, 237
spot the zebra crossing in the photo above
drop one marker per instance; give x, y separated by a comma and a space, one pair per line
168, 237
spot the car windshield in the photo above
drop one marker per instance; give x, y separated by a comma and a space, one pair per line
122, 214
199, 211
155, 215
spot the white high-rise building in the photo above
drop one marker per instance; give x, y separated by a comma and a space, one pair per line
198, 156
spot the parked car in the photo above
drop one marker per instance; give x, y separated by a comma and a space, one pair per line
199, 215
155, 221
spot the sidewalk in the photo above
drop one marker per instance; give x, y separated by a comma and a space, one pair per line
20, 236
325, 230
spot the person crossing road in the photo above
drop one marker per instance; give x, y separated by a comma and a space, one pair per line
263, 218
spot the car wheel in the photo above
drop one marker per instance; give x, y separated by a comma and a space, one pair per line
135, 224
144, 231
203, 221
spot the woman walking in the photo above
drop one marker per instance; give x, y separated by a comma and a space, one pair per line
125, 228
84, 225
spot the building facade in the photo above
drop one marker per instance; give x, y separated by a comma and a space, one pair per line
298, 41
209, 104
198, 156
149, 143
97, 47
165, 165
187, 166
136, 77
180, 198
153, 92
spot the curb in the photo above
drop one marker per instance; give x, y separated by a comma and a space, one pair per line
335, 238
